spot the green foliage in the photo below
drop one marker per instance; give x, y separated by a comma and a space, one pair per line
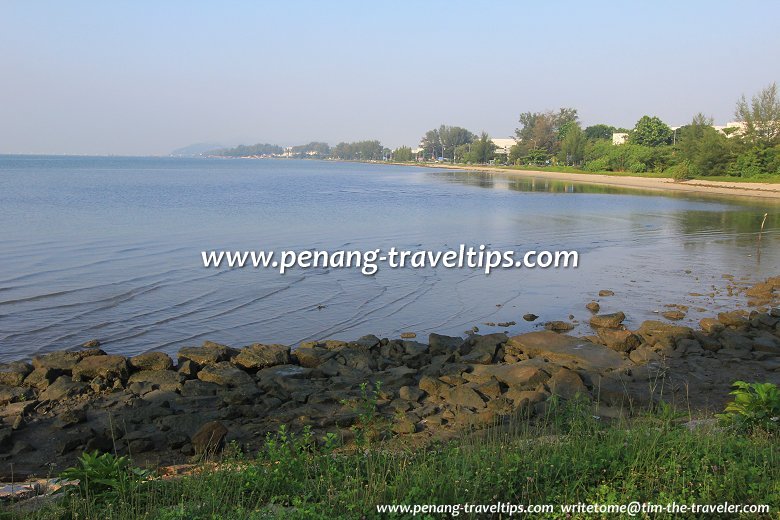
359, 151
704, 149
369, 425
761, 117
545, 130
443, 141
682, 171
103, 476
247, 151
573, 146
567, 457
314, 149
482, 150
756, 160
651, 131
403, 154
599, 132
756, 406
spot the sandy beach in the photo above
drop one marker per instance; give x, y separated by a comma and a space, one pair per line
704, 187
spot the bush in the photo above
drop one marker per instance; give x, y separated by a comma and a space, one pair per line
103, 476
756, 406
682, 171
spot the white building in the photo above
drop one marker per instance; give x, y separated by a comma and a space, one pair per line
503, 145
619, 138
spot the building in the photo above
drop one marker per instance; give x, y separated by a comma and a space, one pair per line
504, 145
619, 138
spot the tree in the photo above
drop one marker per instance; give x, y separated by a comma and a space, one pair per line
651, 131
442, 141
573, 146
544, 130
403, 154
482, 150
761, 117
702, 149
599, 132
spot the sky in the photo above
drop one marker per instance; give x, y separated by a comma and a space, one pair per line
146, 77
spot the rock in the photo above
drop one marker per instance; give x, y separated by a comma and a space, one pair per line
14, 394
410, 393
40, 378
62, 388
408, 335
606, 292
523, 374
560, 348
530, 317
711, 325
558, 326
733, 319
567, 384
224, 374
483, 348
198, 388
663, 334
257, 356
490, 389
673, 315
151, 361
593, 307
464, 396
5, 439
188, 368
366, 342
432, 386
166, 380
63, 361
619, 340
439, 344
208, 354
71, 417
209, 438
109, 367
312, 357
643, 354
404, 425
525, 398
731, 339
13, 374
608, 321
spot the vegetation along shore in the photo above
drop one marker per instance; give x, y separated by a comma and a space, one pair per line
349, 412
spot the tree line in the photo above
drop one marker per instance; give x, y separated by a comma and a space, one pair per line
556, 138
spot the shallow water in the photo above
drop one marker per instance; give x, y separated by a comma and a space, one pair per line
109, 248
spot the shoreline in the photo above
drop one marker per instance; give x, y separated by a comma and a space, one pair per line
757, 190
163, 410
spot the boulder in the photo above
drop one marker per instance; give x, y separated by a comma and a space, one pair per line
606, 292
312, 357
558, 326
40, 378
207, 354
224, 374
643, 354
151, 361
258, 355
13, 374
523, 374
673, 315
62, 388
567, 384
166, 380
593, 307
733, 319
530, 317
13, 394
109, 367
618, 339
64, 361
711, 325
665, 334
410, 393
440, 344
432, 386
607, 321
209, 438
560, 348
464, 396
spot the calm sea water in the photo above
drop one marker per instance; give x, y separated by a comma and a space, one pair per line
109, 248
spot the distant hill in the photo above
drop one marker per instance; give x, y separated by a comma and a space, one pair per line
196, 149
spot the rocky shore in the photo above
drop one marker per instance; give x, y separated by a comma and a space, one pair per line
163, 411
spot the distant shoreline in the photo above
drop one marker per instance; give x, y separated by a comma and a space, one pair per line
699, 186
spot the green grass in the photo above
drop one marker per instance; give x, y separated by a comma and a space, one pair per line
572, 457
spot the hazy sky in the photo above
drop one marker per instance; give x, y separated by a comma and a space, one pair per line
145, 77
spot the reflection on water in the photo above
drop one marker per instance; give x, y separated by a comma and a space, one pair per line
110, 248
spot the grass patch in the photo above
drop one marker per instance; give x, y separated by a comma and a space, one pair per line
568, 458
